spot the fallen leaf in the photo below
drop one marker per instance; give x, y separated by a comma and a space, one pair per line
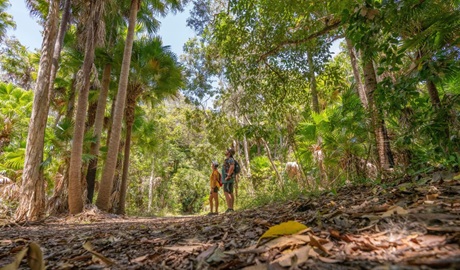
205, 254
89, 247
286, 228
35, 257
395, 210
298, 256
314, 242
17, 260
329, 260
189, 249
217, 256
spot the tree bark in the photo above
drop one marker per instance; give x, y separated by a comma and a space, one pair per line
278, 176
129, 116
32, 201
103, 198
152, 174
246, 156
354, 66
75, 187
98, 126
58, 47
313, 86
370, 81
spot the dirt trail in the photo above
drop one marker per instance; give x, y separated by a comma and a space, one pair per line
412, 225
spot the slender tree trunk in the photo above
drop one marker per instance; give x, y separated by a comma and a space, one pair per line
278, 176
58, 47
71, 102
246, 156
32, 201
313, 86
354, 65
152, 174
98, 126
370, 82
108, 172
129, 116
75, 187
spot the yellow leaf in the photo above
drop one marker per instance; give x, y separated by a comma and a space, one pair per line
17, 260
286, 228
35, 257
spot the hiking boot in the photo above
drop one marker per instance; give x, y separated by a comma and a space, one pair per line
229, 210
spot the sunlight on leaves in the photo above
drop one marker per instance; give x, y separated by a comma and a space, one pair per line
286, 228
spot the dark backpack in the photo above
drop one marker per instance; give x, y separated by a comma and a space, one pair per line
237, 168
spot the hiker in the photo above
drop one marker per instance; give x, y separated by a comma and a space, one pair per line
214, 183
228, 178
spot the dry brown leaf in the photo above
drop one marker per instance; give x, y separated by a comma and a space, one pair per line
329, 260
89, 247
17, 260
256, 267
315, 242
205, 254
35, 257
443, 229
298, 256
188, 249
395, 210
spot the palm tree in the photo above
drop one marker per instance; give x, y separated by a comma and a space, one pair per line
6, 21
32, 202
75, 188
109, 168
154, 74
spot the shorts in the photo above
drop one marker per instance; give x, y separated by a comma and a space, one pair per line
215, 190
228, 187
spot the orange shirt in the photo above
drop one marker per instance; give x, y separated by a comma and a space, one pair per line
214, 179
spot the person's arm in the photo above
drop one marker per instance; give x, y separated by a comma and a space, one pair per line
230, 171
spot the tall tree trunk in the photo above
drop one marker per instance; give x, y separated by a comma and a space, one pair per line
269, 155
71, 101
370, 82
98, 126
313, 86
152, 175
354, 66
129, 118
75, 187
108, 172
32, 201
58, 47
246, 156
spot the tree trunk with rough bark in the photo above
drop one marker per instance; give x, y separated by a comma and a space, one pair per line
98, 126
75, 185
269, 155
313, 86
58, 47
103, 199
370, 82
152, 175
356, 74
32, 202
133, 93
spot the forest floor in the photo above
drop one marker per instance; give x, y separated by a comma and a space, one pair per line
413, 224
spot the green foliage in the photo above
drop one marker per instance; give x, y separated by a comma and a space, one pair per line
14, 114
342, 130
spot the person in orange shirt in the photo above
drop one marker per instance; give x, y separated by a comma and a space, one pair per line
215, 181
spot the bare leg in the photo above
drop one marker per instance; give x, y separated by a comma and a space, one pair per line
210, 200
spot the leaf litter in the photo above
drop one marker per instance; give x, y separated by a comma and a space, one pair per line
412, 225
